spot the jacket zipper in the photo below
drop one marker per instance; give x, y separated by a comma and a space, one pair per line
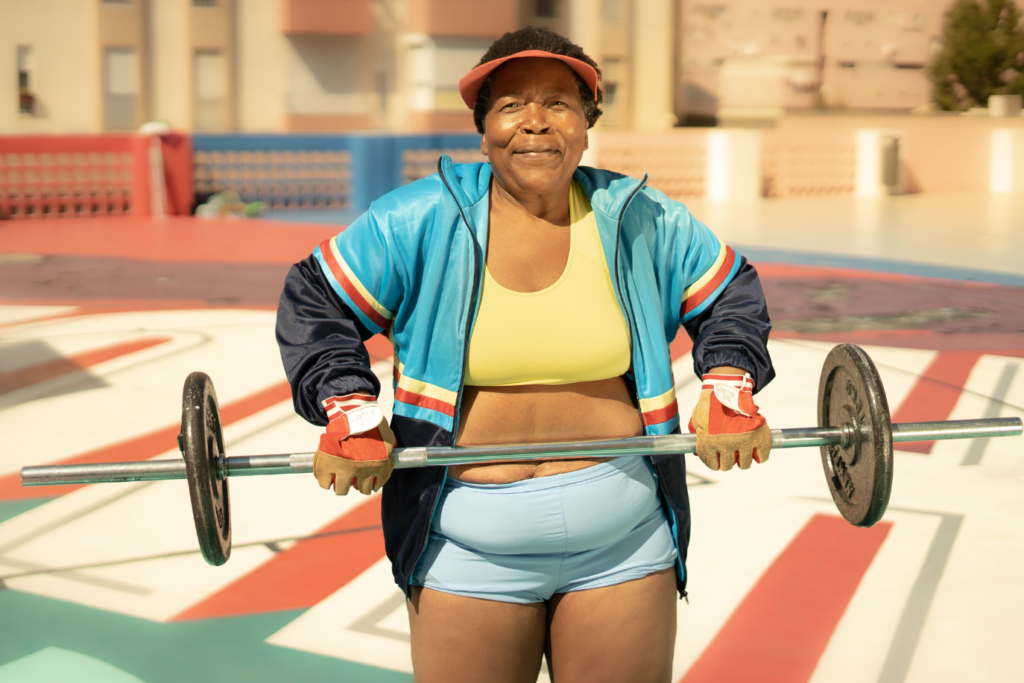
618, 280
472, 305
618, 287
465, 352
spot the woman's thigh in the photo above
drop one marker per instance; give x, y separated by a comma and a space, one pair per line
624, 632
455, 638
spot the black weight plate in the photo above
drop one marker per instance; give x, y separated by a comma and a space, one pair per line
860, 474
202, 446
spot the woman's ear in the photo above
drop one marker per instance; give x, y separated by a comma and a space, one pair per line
586, 141
483, 145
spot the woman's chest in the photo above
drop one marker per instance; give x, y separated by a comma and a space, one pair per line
526, 254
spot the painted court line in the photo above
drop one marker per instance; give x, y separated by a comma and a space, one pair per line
272, 544
306, 573
911, 624
995, 405
935, 393
143, 447
779, 631
58, 367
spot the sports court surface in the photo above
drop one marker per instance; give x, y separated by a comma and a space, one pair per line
101, 320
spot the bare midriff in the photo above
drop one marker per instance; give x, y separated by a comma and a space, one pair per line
533, 413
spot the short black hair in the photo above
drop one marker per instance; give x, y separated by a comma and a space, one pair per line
533, 38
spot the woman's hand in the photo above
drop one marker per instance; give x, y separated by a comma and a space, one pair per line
729, 429
355, 450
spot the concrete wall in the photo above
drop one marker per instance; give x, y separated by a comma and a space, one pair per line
264, 58
938, 153
871, 53
822, 155
66, 78
169, 71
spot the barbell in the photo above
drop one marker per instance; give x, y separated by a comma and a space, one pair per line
854, 432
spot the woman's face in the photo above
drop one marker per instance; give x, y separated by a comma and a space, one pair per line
535, 131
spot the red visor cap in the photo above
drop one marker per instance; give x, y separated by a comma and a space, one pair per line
469, 85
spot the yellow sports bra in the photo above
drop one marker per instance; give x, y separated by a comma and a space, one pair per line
572, 331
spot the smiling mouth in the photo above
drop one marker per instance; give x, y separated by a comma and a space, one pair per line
546, 151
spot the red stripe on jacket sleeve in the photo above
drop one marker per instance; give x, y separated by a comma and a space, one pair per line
350, 289
424, 402
654, 417
701, 295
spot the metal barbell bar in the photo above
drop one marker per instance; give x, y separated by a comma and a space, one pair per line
405, 458
855, 436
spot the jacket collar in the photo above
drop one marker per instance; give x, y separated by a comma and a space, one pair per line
608, 192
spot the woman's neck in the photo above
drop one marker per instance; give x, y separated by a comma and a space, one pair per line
549, 206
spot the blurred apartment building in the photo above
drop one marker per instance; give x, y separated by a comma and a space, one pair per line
335, 65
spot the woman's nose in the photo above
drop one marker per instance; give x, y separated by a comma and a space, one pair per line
535, 120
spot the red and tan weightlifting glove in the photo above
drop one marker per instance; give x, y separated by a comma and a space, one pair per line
356, 448
729, 429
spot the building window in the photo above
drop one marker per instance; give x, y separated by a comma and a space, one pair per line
612, 77
209, 90
121, 87
610, 10
26, 98
545, 8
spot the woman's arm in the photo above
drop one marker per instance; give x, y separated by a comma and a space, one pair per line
733, 330
321, 343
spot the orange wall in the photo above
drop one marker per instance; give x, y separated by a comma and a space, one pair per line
462, 17
330, 17
441, 121
323, 123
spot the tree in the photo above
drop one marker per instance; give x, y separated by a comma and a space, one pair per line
982, 54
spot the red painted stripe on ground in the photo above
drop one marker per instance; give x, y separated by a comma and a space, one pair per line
51, 369
306, 573
379, 348
87, 307
780, 630
681, 345
142, 447
935, 393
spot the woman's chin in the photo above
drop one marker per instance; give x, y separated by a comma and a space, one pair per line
541, 178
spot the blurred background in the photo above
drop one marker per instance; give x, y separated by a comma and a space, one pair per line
724, 100
164, 162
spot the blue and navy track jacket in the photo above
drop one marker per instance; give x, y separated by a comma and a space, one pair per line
411, 268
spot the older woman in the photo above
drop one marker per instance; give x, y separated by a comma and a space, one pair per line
529, 300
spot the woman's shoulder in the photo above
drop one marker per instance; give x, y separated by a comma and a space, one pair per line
462, 181
612, 190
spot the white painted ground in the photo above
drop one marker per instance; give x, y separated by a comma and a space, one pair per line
741, 521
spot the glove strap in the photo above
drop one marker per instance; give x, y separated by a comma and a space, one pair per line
728, 388
353, 414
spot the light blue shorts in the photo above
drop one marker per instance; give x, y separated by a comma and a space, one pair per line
523, 542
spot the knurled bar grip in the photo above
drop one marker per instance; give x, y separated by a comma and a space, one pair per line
302, 463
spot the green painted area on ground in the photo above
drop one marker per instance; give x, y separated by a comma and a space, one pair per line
12, 508
56, 664
217, 650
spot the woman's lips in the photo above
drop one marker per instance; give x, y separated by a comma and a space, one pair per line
535, 152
